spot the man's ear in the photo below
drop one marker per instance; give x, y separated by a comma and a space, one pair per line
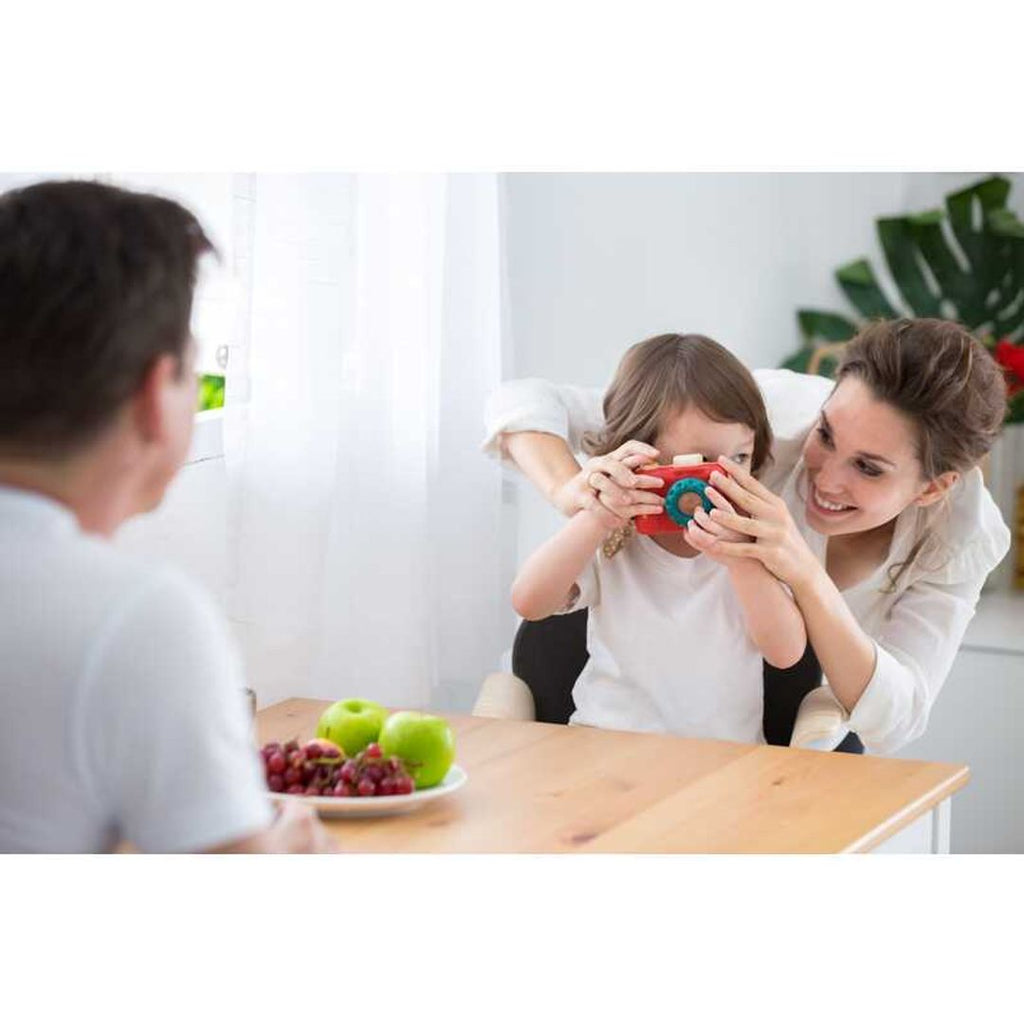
151, 402
936, 489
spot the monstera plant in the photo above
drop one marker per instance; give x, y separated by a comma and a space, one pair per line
964, 263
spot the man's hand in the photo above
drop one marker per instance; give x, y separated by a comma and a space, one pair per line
296, 829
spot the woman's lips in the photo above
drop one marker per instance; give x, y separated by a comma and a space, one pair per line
828, 506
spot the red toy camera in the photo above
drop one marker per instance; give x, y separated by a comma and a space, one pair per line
683, 487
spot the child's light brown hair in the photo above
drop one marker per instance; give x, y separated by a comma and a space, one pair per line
665, 375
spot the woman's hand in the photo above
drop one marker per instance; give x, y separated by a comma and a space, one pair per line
775, 541
608, 486
707, 535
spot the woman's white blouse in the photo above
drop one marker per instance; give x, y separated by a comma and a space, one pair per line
917, 626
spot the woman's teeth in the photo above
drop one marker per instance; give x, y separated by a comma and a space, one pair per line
829, 506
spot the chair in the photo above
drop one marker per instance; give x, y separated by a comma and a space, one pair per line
548, 656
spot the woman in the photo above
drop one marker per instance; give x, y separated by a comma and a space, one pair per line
874, 512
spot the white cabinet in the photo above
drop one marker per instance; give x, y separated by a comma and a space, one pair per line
978, 719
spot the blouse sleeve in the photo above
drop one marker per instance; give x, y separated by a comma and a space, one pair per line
914, 653
535, 404
792, 400
924, 628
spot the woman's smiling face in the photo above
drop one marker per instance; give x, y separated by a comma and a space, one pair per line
862, 464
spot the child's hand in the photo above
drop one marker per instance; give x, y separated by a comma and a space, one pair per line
608, 485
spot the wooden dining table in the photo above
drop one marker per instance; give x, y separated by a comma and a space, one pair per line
538, 788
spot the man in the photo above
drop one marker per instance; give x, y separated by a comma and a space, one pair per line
122, 716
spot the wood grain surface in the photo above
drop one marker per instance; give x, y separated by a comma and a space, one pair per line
536, 788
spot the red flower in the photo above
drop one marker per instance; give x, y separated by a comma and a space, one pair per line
1011, 358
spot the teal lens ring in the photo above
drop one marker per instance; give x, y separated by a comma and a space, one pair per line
688, 485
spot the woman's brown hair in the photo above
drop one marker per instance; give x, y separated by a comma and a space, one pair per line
940, 377
665, 375
953, 392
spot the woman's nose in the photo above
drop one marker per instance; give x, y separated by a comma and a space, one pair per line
830, 476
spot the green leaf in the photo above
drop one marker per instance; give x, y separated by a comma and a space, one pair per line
210, 392
993, 192
816, 324
972, 271
799, 360
1009, 317
827, 366
990, 194
858, 281
897, 238
1015, 408
1004, 222
954, 283
928, 217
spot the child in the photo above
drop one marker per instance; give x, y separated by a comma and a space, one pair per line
675, 640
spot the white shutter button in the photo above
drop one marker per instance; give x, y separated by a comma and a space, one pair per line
687, 460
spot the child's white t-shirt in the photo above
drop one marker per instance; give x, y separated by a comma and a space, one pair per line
669, 649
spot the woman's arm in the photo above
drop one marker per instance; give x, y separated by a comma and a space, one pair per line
544, 584
845, 651
603, 484
546, 461
889, 682
538, 426
774, 621
537, 406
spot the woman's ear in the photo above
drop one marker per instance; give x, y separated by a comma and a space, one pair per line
936, 489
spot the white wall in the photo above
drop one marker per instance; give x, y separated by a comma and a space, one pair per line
598, 261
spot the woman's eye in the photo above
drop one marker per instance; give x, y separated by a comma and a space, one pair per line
824, 437
741, 458
868, 469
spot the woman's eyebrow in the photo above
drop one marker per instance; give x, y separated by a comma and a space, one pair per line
862, 454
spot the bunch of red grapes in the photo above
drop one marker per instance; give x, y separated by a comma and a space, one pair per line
319, 768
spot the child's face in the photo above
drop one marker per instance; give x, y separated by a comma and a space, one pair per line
692, 431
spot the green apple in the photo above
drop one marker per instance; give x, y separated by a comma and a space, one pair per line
424, 742
352, 724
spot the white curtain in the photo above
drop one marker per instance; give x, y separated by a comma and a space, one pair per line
363, 524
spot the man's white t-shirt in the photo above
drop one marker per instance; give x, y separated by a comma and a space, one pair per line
669, 648
122, 713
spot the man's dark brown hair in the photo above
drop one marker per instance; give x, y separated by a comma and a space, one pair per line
96, 283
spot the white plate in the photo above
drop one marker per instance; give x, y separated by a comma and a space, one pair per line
377, 806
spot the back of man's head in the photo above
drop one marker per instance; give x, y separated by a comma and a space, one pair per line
96, 283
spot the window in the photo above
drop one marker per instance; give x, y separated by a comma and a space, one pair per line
223, 204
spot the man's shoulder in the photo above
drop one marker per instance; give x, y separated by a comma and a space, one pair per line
119, 573
87, 584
